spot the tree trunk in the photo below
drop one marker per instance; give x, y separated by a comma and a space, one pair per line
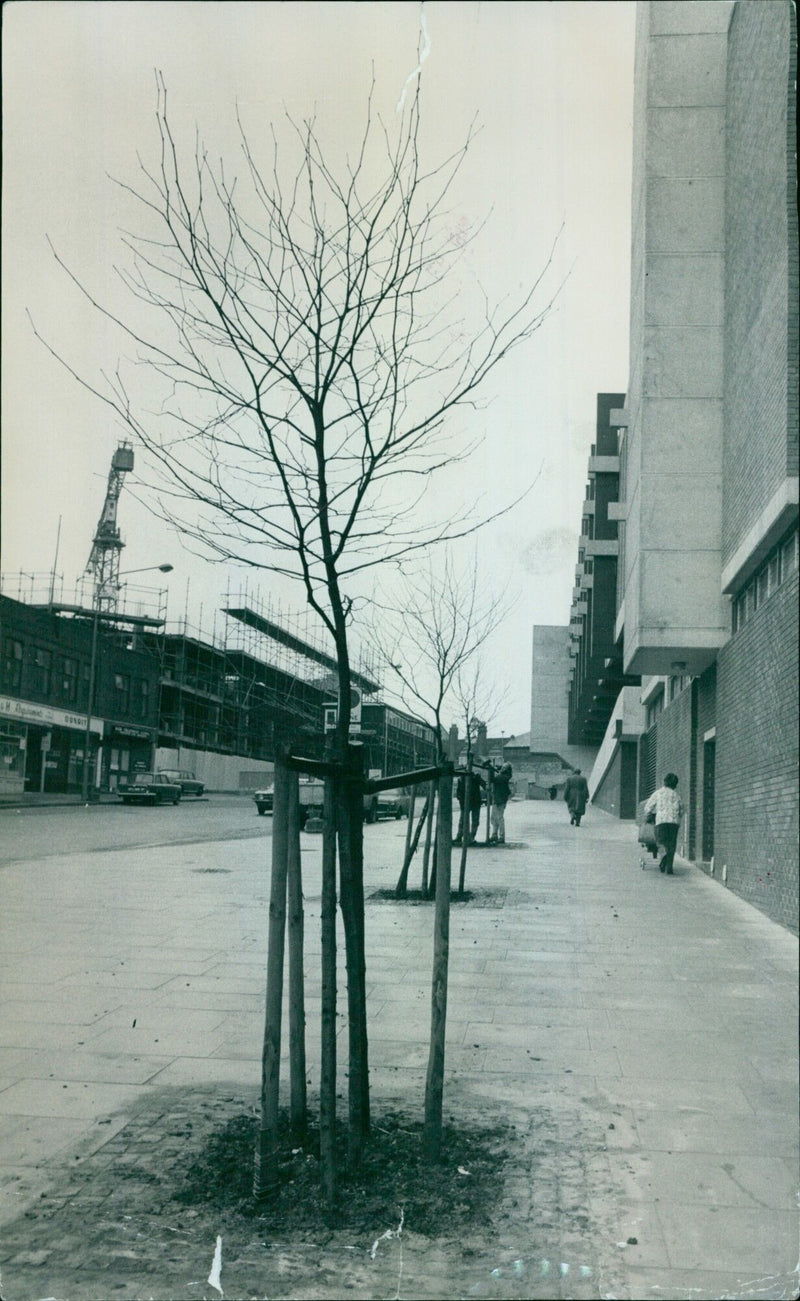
426, 857
267, 1144
434, 1084
297, 1013
411, 849
327, 1084
412, 800
349, 804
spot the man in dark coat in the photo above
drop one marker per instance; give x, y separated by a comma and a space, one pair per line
576, 795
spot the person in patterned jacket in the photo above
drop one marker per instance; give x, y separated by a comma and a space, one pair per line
668, 808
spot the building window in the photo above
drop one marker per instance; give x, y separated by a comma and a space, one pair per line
69, 680
42, 669
774, 570
677, 684
12, 664
654, 708
144, 697
122, 689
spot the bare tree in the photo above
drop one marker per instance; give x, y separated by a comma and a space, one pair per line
479, 698
428, 638
303, 354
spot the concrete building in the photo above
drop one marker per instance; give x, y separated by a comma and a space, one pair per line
708, 507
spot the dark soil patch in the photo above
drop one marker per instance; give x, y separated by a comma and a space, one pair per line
476, 898
455, 1192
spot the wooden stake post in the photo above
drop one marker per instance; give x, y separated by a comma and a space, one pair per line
466, 826
267, 1145
297, 1014
426, 857
434, 1084
327, 1084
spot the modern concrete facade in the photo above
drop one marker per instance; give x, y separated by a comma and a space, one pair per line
672, 607
549, 742
708, 574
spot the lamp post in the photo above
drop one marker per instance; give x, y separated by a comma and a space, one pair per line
163, 569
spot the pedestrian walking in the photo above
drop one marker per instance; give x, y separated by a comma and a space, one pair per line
668, 808
576, 795
469, 793
501, 793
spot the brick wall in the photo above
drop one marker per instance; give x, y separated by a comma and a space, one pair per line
756, 830
706, 688
760, 264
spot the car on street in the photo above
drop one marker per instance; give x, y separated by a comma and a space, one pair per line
264, 800
386, 804
186, 780
149, 788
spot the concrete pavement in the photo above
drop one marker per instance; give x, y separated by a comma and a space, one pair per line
639, 1030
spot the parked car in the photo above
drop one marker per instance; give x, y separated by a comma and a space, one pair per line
263, 800
311, 794
386, 804
149, 788
186, 780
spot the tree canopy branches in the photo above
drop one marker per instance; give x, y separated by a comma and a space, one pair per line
305, 354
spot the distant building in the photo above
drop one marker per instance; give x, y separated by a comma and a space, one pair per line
222, 707
44, 695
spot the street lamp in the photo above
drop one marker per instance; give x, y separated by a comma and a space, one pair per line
163, 569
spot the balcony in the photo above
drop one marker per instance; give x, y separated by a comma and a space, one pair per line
601, 547
603, 465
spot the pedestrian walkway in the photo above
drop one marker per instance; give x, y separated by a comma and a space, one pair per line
639, 1031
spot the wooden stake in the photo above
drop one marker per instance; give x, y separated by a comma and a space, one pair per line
327, 1086
428, 832
434, 1084
411, 849
297, 1015
267, 1144
466, 826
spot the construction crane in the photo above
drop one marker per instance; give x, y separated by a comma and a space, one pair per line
103, 561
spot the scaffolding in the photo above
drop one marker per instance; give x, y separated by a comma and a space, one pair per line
259, 677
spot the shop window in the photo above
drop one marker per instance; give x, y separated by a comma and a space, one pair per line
12, 664
122, 691
12, 754
42, 671
69, 680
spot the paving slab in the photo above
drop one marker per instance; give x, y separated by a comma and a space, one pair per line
638, 1031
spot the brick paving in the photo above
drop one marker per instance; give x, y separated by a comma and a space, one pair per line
638, 1031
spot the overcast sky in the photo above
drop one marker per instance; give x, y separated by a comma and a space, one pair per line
551, 86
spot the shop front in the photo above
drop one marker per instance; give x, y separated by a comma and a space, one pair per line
126, 750
42, 748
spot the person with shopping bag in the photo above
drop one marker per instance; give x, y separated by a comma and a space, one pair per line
667, 807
